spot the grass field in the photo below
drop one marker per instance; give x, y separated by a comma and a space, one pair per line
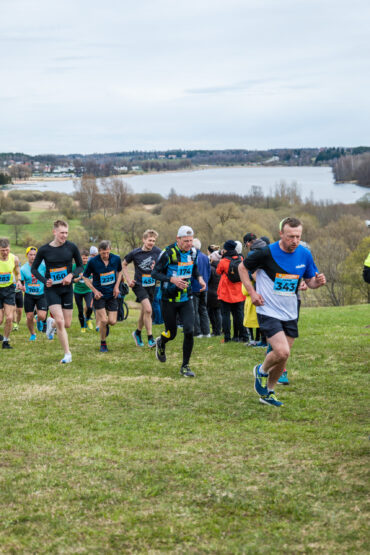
117, 453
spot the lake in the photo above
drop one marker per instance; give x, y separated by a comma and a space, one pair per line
316, 181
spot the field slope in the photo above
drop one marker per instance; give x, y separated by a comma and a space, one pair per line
118, 453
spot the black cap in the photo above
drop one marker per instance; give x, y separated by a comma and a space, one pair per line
249, 237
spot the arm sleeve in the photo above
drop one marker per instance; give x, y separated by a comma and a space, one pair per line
220, 267
36, 263
129, 257
159, 271
119, 264
79, 264
88, 270
254, 260
311, 267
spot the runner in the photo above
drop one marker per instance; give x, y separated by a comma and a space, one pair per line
81, 293
58, 256
279, 269
9, 265
18, 309
34, 294
175, 267
105, 270
143, 285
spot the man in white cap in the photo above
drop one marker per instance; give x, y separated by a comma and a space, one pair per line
174, 268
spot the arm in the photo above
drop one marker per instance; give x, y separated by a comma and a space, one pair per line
118, 279
17, 272
196, 275
79, 267
317, 281
35, 266
89, 284
160, 269
130, 282
256, 298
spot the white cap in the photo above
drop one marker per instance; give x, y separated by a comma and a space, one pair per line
93, 250
239, 247
185, 231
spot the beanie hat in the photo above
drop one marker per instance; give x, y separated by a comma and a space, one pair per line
230, 245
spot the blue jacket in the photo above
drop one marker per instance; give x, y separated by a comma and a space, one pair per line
204, 269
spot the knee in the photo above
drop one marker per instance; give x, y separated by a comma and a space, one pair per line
59, 322
9, 318
103, 320
282, 353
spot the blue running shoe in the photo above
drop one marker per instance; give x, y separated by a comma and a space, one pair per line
103, 348
137, 338
151, 343
260, 383
284, 378
260, 344
271, 399
33, 337
40, 325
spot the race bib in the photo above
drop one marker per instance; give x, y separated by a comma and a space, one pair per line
33, 288
57, 275
147, 280
285, 284
108, 278
185, 269
5, 278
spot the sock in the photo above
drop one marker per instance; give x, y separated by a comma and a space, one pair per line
150, 336
5, 338
138, 332
262, 371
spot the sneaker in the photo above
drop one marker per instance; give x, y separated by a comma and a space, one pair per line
66, 359
208, 335
186, 372
252, 343
6, 345
83, 330
40, 325
15, 327
199, 336
160, 350
89, 324
33, 337
137, 338
103, 348
151, 343
50, 329
259, 344
284, 378
97, 328
271, 399
260, 383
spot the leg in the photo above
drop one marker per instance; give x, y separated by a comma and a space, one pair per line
30, 322
196, 299
58, 315
169, 318
101, 315
226, 322
275, 361
112, 317
146, 311
8, 312
187, 316
79, 304
203, 314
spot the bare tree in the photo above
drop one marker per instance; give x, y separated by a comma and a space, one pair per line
87, 193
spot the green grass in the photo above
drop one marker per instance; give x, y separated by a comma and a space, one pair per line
117, 453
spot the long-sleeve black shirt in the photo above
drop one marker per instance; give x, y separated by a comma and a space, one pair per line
58, 262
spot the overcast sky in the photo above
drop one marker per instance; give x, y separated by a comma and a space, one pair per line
111, 75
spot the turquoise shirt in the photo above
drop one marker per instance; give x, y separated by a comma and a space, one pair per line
33, 285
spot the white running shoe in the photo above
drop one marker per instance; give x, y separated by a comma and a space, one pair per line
67, 358
50, 328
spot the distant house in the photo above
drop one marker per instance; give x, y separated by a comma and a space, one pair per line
136, 168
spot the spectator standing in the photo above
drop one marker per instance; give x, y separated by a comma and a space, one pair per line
201, 320
213, 302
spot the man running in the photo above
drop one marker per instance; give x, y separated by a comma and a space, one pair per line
143, 284
105, 269
175, 267
34, 296
279, 269
9, 265
58, 256
82, 292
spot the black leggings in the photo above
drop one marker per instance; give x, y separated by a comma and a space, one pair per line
79, 297
186, 313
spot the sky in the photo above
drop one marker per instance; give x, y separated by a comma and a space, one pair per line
83, 76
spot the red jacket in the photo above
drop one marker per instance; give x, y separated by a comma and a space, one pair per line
227, 290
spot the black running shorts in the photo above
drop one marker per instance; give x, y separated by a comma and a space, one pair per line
110, 304
144, 293
271, 326
19, 299
30, 301
7, 295
62, 295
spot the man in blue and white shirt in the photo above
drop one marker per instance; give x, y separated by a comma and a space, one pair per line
279, 269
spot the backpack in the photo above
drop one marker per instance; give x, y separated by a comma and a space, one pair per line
233, 272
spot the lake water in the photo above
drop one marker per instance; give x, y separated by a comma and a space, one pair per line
316, 181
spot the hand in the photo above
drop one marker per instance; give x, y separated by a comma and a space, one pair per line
257, 299
49, 282
67, 280
320, 279
97, 294
303, 286
179, 282
131, 283
115, 292
202, 283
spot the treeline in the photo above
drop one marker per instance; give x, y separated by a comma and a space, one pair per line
336, 233
353, 168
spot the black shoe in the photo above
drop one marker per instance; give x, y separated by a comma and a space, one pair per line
186, 372
6, 345
160, 350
